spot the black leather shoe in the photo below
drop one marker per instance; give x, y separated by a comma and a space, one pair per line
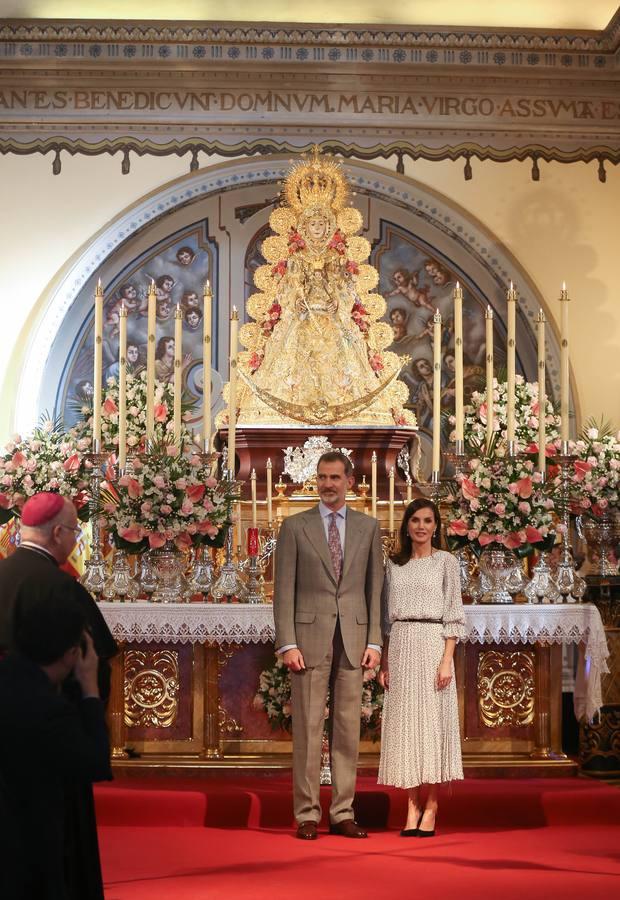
306, 831
349, 828
409, 832
426, 833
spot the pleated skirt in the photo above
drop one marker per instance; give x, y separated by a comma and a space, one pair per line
420, 740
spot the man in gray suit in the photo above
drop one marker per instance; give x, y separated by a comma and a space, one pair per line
328, 580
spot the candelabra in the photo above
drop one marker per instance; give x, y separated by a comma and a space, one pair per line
229, 582
570, 585
202, 572
94, 576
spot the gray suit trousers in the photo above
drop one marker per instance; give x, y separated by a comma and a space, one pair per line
309, 691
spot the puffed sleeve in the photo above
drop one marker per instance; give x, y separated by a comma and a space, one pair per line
385, 595
453, 613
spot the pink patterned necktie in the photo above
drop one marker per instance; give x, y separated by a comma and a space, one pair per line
335, 547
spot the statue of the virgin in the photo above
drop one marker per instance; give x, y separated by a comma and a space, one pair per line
316, 352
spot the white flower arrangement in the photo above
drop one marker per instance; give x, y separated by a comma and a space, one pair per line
166, 497
595, 478
49, 460
300, 462
136, 414
274, 698
527, 411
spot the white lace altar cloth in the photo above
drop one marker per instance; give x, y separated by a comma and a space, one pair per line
190, 623
242, 623
578, 623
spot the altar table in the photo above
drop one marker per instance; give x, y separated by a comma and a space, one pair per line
187, 673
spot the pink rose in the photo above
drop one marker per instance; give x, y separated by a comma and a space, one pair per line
171, 450
180, 484
165, 509
187, 507
499, 509
211, 482
146, 508
159, 481
195, 461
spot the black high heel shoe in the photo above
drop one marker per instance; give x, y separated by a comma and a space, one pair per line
424, 834
412, 832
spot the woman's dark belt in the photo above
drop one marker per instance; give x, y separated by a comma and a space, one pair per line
430, 621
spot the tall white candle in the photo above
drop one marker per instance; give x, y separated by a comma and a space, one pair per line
564, 366
253, 489
409, 490
511, 298
457, 296
373, 484
489, 375
122, 387
232, 388
98, 367
436, 391
206, 367
150, 364
178, 373
269, 492
391, 502
542, 396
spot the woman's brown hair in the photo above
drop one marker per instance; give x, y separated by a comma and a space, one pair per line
403, 554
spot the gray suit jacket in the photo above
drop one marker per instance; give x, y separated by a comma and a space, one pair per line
307, 600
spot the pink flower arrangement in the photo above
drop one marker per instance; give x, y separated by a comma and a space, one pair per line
502, 500
595, 478
166, 498
49, 460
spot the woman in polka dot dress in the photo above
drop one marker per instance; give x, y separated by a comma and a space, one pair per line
423, 619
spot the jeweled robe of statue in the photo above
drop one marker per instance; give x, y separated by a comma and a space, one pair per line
316, 352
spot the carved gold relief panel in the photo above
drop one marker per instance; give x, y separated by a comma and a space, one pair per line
506, 688
151, 688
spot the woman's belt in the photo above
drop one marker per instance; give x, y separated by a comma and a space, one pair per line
430, 621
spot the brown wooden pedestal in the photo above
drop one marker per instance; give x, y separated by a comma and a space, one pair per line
256, 445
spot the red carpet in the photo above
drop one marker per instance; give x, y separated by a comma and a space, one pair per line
502, 840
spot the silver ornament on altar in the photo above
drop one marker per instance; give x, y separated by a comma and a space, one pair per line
171, 583
120, 583
497, 566
542, 587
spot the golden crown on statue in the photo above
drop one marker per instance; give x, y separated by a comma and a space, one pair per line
319, 181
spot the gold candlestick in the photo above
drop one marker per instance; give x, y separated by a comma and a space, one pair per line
98, 367
122, 388
489, 321
206, 367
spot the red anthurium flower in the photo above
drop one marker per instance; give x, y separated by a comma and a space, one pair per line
133, 533
524, 487
470, 490
533, 534
156, 540
196, 492
110, 407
